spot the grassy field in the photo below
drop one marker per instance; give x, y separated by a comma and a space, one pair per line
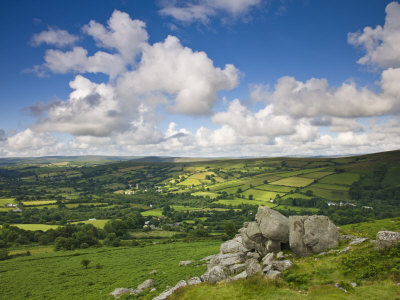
260, 195
31, 277
331, 187
38, 202
274, 188
34, 227
296, 195
205, 194
317, 175
153, 233
299, 172
96, 223
238, 201
5, 201
342, 178
329, 194
294, 181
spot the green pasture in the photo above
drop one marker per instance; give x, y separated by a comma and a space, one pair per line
294, 181
189, 182
34, 227
260, 195
205, 194
5, 201
153, 234
369, 229
335, 195
60, 275
38, 202
296, 196
234, 189
96, 223
342, 178
299, 172
274, 188
392, 176
238, 201
317, 175
327, 186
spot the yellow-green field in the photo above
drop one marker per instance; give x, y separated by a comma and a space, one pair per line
261, 195
34, 227
342, 178
38, 202
205, 194
5, 201
96, 223
294, 181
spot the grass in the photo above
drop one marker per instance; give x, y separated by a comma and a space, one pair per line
34, 227
296, 196
59, 275
96, 223
331, 187
189, 182
153, 233
38, 202
260, 195
329, 194
274, 188
299, 172
342, 178
238, 201
5, 201
369, 229
294, 181
206, 194
316, 175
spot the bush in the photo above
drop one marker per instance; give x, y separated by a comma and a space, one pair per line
85, 263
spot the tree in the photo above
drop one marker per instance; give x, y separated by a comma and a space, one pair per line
85, 262
230, 229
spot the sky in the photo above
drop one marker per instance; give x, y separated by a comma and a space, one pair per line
199, 78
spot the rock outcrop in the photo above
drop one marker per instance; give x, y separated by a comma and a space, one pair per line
312, 234
256, 249
385, 239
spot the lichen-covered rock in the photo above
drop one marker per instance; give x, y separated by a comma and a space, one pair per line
273, 225
215, 274
149, 283
268, 259
227, 259
253, 255
252, 267
233, 246
273, 246
254, 233
386, 239
272, 274
120, 291
194, 280
185, 262
312, 234
250, 244
281, 265
233, 269
164, 295
241, 275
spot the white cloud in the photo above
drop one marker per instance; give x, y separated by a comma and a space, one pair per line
123, 34
29, 140
91, 109
54, 36
202, 10
77, 61
189, 77
382, 44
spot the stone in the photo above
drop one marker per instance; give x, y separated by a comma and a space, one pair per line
233, 246
386, 239
353, 284
213, 275
153, 272
252, 267
120, 291
272, 274
279, 255
282, 265
149, 283
185, 262
340, 287
250, 244
253, 255
233, 269
208, 258
273, 246
268, 259
312, 234
194, 280
267, 268
227, 259
164, 295
358, 241
273, 225
254, 233
241, 275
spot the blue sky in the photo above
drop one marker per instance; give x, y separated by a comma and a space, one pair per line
199, 77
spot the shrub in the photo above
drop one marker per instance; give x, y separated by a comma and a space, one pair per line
85, 263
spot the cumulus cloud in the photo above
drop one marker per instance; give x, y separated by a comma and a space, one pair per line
189, 77
29, 140
54, 36
91, 109
203, 10
381, 44
3, 136
123, 34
